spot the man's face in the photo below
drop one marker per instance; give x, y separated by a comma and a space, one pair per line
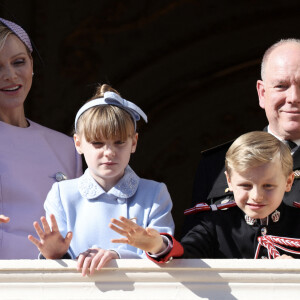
279, 92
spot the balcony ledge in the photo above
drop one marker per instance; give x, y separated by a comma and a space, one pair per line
142, 279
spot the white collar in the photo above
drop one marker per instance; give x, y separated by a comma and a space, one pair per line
125, 188
280, 139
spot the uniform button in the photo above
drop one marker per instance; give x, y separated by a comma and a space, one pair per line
59, 176
121, 201
263, 231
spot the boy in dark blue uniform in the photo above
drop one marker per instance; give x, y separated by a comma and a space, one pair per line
259, 171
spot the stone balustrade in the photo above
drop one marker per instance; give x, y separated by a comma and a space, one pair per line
182, 279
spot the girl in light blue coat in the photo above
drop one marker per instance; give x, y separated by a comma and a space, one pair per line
80, 210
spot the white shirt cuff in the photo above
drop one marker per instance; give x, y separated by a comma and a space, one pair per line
169, 245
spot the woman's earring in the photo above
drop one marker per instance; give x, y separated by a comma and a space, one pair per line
32, 73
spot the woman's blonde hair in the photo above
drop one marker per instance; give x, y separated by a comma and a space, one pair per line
256, 148
4, 33
105, 121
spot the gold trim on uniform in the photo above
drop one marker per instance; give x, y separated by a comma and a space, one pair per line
297, 174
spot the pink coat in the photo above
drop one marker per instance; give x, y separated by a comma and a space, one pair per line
30, 158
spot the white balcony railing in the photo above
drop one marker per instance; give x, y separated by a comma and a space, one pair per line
143, 279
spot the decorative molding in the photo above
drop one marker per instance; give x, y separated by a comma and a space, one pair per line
143, 279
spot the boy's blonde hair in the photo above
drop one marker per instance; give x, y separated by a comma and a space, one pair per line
256, 148
105, 121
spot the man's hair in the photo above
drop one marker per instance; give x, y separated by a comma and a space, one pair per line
257, 148
271, 49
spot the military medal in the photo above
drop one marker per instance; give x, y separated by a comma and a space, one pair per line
275, 216
249, 220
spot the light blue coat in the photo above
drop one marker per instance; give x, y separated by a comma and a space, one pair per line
83, 207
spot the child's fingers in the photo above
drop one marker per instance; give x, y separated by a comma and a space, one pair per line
45, 225
53, 223
68, 238
86, 264
131, 223
125, 223
4, 219
95, 261
120, 241
117, 229
101, 258
124, 227
38, 230
80, 260
284, 256
35, 241
118, 223
84, 260
104, 259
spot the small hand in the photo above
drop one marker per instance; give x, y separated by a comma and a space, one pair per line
284, 256
52, 245
4, 219
147, 239
94, 259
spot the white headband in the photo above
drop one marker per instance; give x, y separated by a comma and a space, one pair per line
111, 98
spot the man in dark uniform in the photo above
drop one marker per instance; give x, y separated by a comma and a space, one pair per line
259, 170
279, 96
